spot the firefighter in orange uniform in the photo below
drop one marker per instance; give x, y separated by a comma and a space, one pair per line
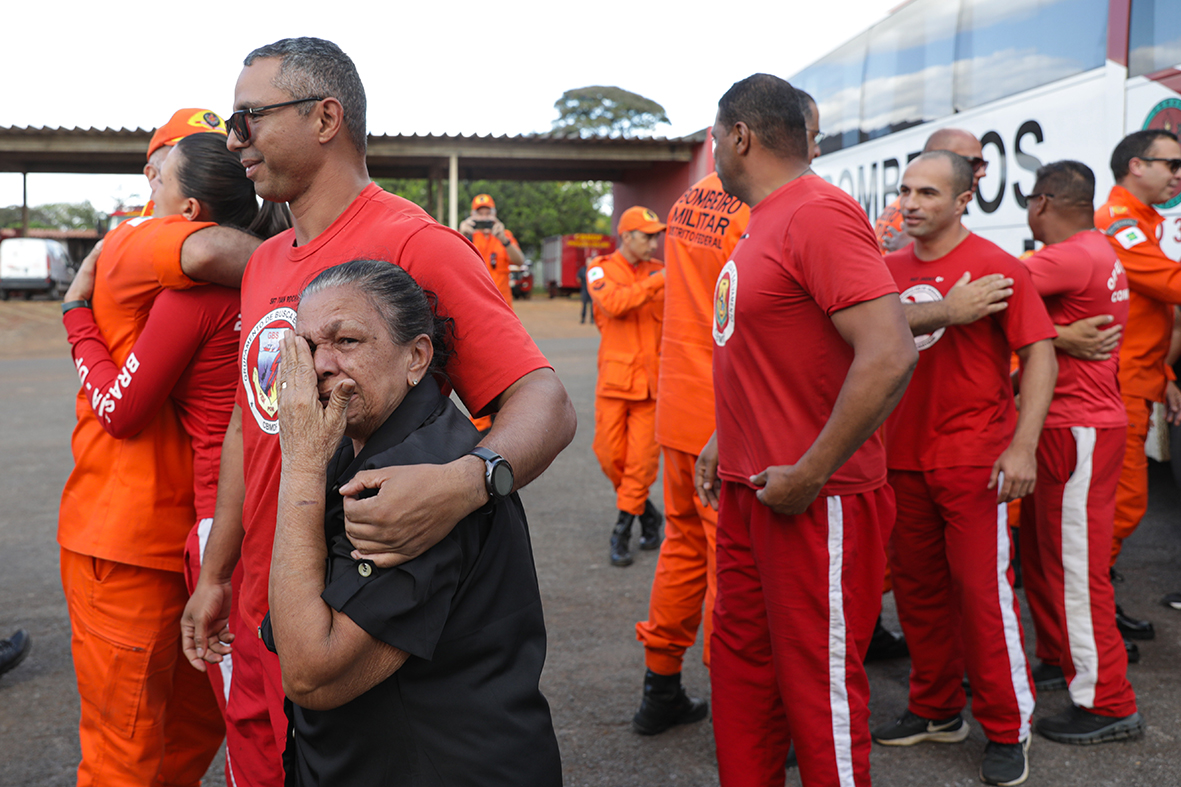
703, 227
627, 289
1147, 169
496, 244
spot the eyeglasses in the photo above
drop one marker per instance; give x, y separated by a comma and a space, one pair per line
237, 124
975, 162
1029, 198
818, 136
1173, 164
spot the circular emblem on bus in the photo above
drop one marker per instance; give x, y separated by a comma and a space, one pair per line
261, 357
1167, 116
725, 293
924, 293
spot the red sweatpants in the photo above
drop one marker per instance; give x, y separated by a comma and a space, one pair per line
625, 445
1064, 538
685, 573
950, 554
254, 711
148, 718
1131, 496
797, 601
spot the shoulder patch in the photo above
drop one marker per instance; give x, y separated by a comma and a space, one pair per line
1117, 210
1116, 226
594, 274
1132, 236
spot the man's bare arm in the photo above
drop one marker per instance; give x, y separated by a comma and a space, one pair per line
1087, 340
208, 610
1019, 461
967, 301
217, 255
418, 505
884, 356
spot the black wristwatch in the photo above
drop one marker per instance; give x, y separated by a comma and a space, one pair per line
498, 473
71, 305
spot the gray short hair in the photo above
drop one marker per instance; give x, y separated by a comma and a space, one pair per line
314, 67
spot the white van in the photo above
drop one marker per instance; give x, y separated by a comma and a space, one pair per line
32, 265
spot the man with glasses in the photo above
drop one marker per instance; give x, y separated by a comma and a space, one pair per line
300, 127
1147, 169
1066, 525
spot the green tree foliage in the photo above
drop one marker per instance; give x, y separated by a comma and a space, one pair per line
604, 110
532, 210
55, 216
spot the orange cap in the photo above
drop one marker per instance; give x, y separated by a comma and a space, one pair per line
639, 218
184, 123
483, 201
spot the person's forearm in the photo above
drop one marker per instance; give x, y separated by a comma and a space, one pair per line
1175, 341
534, 423
514, 254
1038, 376
224, 547
926, 317
217, 255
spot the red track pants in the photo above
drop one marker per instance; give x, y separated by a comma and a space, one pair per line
1131, 497
949, 555
797, 601
685, 573
1064, 539
254, 713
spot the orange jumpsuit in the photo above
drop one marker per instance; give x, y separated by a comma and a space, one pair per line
495, 256
703, 228
629, 310
147, 716
1155, 283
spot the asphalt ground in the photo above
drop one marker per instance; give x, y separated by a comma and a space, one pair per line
595, 667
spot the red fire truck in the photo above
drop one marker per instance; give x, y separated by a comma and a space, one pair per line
563, 255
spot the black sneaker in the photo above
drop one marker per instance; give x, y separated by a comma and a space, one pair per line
13, 650
1133, 628
1172, 601
910, 729
1048, 677
885, 645
1005, 764
1082, 727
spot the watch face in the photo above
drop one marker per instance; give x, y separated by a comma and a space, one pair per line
502, 479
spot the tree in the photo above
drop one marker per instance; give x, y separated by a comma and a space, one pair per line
54, 216
600, 110
532, 210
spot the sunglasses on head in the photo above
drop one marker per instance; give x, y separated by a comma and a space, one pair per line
238, 125
1173, 164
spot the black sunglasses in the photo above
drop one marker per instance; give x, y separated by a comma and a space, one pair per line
1029, 198
1173, 164
237, 124
975, 162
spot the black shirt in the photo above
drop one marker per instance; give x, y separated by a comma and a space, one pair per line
465, 708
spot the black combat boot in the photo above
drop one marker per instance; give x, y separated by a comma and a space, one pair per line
650, 522
666, 704
620, 556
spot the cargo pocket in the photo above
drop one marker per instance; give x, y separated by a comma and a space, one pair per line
616, 372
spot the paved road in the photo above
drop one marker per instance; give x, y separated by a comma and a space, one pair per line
595, 666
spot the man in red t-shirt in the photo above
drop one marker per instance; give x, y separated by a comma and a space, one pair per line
809, 358
957, 453
1066, 526
300, 128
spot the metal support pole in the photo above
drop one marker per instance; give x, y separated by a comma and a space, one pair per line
453, 192
24, 204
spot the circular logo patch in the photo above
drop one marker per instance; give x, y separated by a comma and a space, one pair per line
924, 293
1167, 116
261, 358
725, 293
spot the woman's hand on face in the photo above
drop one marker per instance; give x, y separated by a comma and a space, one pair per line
309, 432
82, 287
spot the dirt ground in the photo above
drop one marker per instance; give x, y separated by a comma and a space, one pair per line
594, 668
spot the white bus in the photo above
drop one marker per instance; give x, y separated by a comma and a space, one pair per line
1035, 80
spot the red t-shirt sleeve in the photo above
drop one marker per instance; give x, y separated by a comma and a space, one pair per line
492, 348
835, 256
1054, 272
1026, 320
126, 399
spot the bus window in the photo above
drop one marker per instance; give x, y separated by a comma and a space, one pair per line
1007, 46
835, 83
908, 69
1154, 41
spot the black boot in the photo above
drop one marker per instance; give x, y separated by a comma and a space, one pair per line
1133, 628
885, 644
620, 556
650, 522
666, 704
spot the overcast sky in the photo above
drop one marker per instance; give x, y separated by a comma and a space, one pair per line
457, 67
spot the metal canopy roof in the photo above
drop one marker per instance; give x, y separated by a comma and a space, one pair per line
520, 157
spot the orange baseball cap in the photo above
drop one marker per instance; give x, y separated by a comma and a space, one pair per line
639, 218
483, 201
184, 123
